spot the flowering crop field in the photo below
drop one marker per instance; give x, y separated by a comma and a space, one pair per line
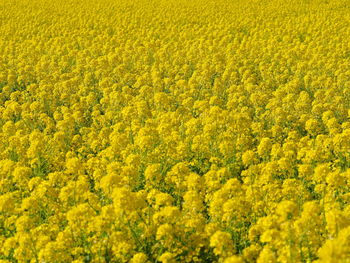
175, 131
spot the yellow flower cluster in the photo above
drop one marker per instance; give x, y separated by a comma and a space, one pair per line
175, 131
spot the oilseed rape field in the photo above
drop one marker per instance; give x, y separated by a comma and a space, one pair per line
175, 131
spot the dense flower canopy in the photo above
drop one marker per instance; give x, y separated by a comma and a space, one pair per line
175, 131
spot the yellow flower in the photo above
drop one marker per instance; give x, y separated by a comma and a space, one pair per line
233, 259
249, 157
139, 258
167, 257
267, 255
222, 243
212, 133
